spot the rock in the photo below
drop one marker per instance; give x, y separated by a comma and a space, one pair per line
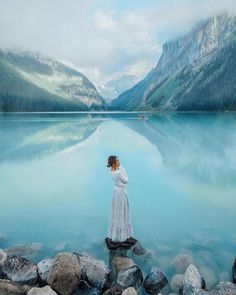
44, 267
8, 287
64, 275
147, 260
181, 262
47, 290
120, 263
3, 257
138, 249
192, 290
129, 291
94, 271
85, 289
114, 290
19, 270
61, 246
193, 277
224, 288
127, 244
154, 281
177, 282
234, 272
3, 238
130, 277
28, 251
210, 277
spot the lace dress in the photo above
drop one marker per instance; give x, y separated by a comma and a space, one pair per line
119, 227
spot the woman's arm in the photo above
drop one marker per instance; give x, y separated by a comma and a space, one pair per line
123, 178
122, 169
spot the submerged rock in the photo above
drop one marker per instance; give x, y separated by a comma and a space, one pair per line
28, 251
8, 287
20, 270
210, 277
130, 277
181, 262
177, 282
93, 271
193, 277
65, 273
47, 290
155, 281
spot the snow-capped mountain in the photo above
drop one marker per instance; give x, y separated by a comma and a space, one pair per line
194, 72
33, 82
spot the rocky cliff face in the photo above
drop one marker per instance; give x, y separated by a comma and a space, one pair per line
180, 67
33, 82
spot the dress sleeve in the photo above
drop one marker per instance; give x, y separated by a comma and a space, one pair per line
122, 169
123, 178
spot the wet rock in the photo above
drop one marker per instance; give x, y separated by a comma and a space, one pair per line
130, 277
3, 257
138, 249
181, 262
3, 238
234, 272
84, 288
127, 244
47, 290
65, 273
120, 263
154, 281
113, 290
19, 270
8, 287
28, 251
177, 282
193, 277
44, 267
129, 291
224, 288
94, 271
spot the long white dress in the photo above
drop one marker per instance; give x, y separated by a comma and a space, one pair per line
119, 227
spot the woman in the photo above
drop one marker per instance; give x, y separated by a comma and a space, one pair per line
119, 227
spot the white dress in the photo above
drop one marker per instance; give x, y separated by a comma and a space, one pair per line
119, 227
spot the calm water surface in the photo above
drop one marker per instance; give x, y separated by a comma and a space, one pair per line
55, 188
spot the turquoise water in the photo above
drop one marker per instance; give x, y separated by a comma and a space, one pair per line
55, 188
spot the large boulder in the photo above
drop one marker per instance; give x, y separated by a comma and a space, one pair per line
130, 277
47, 290
224, 288
65, 273
94, 271
19, 270
44, 267
8, 287
155, 281
193, 277
120, 263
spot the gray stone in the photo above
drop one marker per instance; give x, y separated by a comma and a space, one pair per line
224, 288
19, 270
193, 277
8, 287
234, 272
92, 270
130, 277
28, 251
65, 273
155, 281
129, 291
177, 282
192, 290
84, 288
47, 290
44, 267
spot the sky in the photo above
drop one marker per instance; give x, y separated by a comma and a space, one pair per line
103, 39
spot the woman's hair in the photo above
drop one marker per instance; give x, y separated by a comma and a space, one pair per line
111, 160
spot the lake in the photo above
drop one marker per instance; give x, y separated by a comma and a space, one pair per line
55, 187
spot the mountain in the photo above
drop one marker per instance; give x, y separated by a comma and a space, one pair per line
196, 72
116, 86
33, 82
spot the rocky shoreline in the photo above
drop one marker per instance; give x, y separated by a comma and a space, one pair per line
74, 273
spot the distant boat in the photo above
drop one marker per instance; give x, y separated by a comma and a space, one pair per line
142, 117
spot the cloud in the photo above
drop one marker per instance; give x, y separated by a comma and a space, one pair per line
103, 39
